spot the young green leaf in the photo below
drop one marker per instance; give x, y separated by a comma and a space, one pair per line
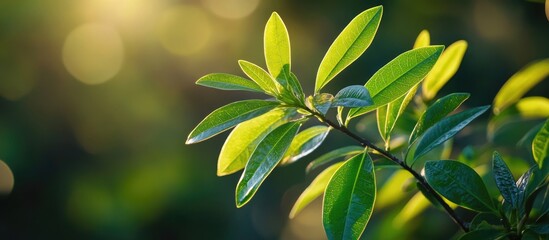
332, 155
520, 83
227, 117
423, 39
349, 45
320, 102
540, 145
504, 180
388, 115
305, 142
436, 112
226, 81
445, 129
277, 45
266, 156
445, 68
485, 219
460, 184
352, 96
314, 190
259, 76
244, 138
349, 199
398, 76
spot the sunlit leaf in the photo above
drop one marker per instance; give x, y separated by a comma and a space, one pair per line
391, 192
349, 198
226, 81
460, 184
244, 138
445, 129
436, 112
540, 145
398, 76
352, 96
504, 180
533, 107
349, 45
227, 117
520, 83
264, 159
388, 115
305, 142
486, 233
277, 45
332, 155
314, 190
259, 76
446, 66
423, 39
320, 102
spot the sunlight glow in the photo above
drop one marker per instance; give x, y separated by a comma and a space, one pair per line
93, 53
232, 9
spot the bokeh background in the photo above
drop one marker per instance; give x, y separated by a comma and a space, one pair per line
97, 98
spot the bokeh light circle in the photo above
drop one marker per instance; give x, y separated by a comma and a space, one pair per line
6, 179
231, 9
93, 53
184, 30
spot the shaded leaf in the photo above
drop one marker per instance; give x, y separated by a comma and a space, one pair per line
398, 76
243, 140
349, 45
260, 77
305, 142
540, 145
352, 96
533, 107
520, 83
276, 45
332, 155
314, 190
349, 198
504, 180
445, 129
483, 220
460, 184
264, 159
226, 81
486, 233
441, 108
540, 228
445, 68
388, 115
227, 117
320, 102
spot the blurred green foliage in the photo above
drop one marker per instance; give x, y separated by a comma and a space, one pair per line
108, 160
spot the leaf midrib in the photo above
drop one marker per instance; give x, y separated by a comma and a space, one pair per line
351, 196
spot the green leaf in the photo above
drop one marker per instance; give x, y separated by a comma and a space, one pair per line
314, 190
349, 198
244, 138
305, 142
266, 156
423, 39
227, 117
533, 107
540, 228
460, 184
486, 233
226, 81
352, 96
321, 102
332, 155
388, 115
445, 129
349, 45
277, 45
259, 76
436, 112
445, 68
483, 220
520, 83
540, 145
504, 180
398, 76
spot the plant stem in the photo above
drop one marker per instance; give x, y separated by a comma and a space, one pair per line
398, 161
